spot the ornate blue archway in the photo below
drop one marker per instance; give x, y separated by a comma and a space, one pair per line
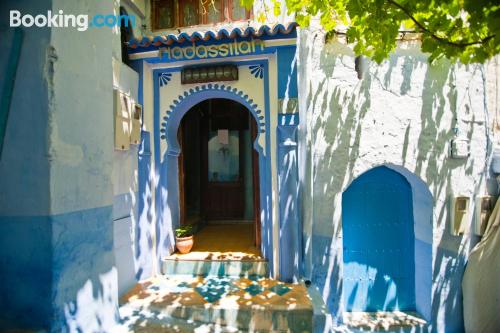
167, 195
183, 103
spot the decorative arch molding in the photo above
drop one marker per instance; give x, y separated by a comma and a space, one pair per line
167, 192
183, 103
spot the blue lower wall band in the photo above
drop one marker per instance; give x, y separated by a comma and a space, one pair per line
50, 259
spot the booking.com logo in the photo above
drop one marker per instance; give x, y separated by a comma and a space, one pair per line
61, 20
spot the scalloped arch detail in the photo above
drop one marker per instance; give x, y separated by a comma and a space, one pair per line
239, 95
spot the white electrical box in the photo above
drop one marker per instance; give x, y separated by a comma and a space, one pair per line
460, 148
135, 131
484, 208
460, 215
122, 120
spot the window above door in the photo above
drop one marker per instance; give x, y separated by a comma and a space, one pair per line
169, 14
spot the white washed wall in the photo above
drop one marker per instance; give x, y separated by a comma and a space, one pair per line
403, 112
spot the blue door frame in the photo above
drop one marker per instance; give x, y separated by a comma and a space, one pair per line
166, 167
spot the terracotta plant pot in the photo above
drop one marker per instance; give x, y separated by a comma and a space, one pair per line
184, 244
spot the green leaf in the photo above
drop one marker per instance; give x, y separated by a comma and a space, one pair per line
464, 30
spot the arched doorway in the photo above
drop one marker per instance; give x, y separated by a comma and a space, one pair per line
379, 243
219, 175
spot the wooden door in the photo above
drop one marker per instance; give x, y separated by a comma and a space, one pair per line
224, 194
223, 169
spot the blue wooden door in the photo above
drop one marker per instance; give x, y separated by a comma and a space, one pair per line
378, 238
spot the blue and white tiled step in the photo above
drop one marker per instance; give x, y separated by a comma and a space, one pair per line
233, 304
234, 268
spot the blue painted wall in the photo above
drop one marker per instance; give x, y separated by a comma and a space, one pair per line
132, 230
23, 165
24, 198
25, 272
57, 264
83, 263
290, 227
287, 72
143, 240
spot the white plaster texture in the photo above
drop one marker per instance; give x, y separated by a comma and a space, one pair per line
80, 116
81, 141
125, 80
125, 187
404, 111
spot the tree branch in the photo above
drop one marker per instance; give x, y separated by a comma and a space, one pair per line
432, 34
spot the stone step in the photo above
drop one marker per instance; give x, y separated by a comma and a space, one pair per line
152, 322
235, 268
235, 303
383, 321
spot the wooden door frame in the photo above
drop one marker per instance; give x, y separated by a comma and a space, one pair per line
182, 178
256, 184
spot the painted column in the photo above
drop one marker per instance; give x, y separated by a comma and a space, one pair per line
288, 185
143, 238
290, 226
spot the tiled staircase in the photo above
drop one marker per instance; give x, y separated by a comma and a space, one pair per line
218, 296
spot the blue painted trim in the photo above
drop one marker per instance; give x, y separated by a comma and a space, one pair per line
156, 138
164, 78
179, 68
198, 94
290, 234
268, 51
287, 73
288, 119
257, 71
267, 225
264, 32
167, 191
145, 210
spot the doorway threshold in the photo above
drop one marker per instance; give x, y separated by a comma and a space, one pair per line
222, 242
223, 222
400, 321
220, 249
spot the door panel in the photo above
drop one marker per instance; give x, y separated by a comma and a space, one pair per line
223, 166
378, 236
225, 200
225, 186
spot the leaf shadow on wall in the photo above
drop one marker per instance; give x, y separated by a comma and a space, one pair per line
338, 109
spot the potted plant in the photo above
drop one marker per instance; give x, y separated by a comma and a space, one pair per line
184, 238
